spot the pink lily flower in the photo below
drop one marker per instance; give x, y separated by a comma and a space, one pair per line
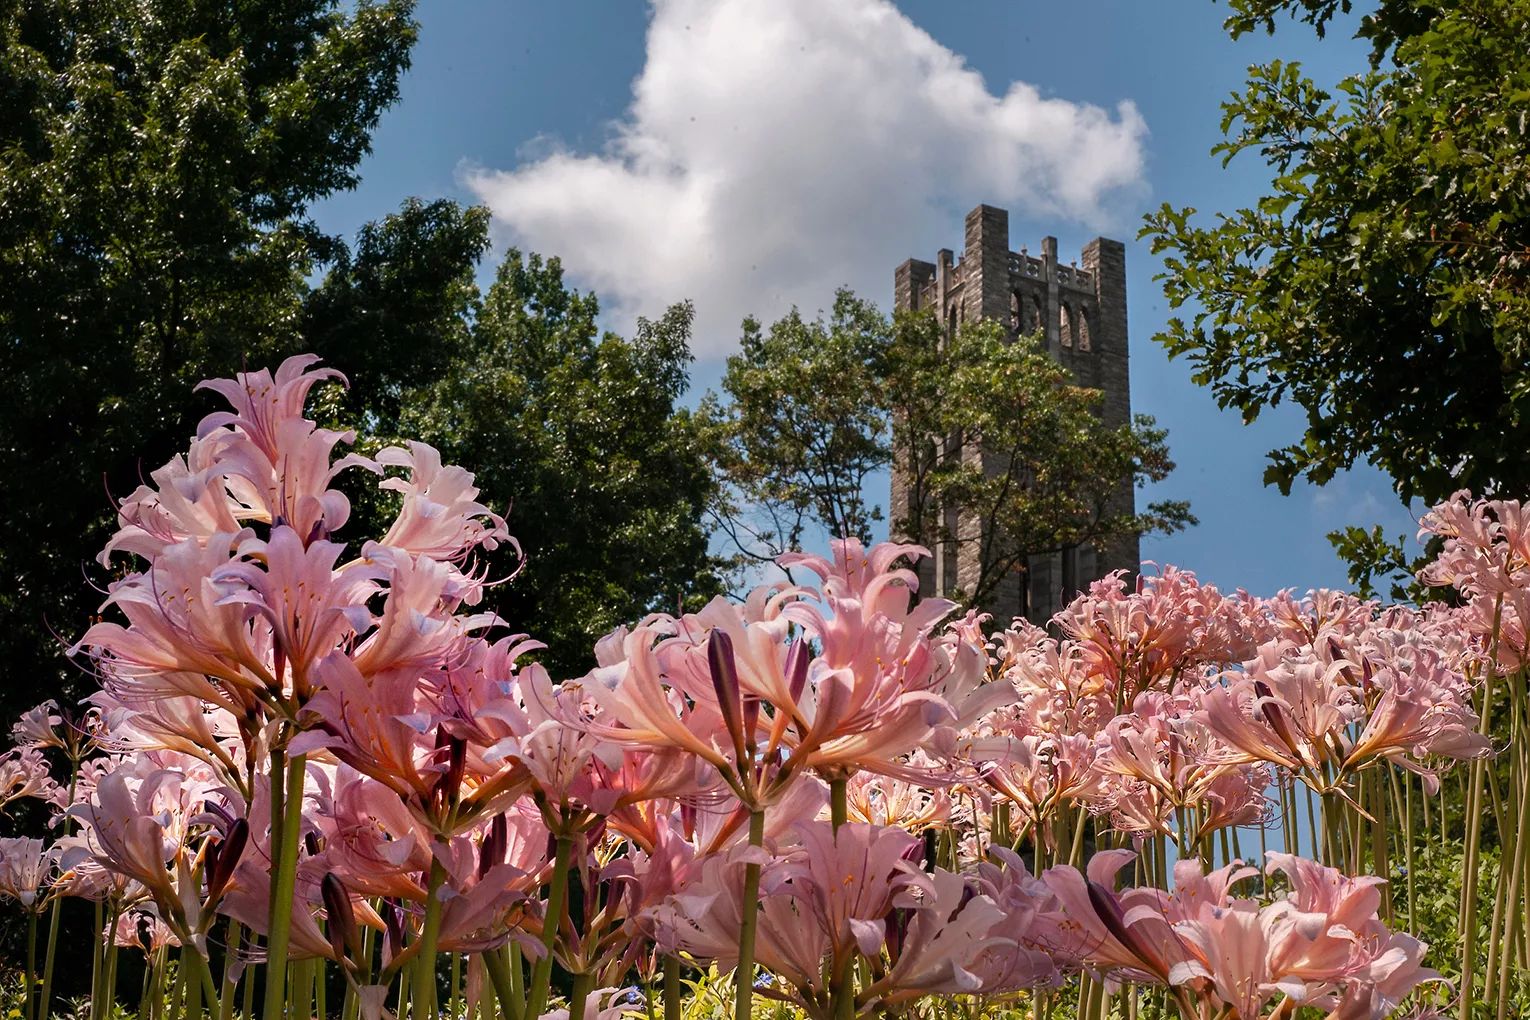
968, 937
37, 727
25, 871
1419, 715
1231, 944
883, 800
24, 772
189, 501
1320, 919
309, 606
278, 464
441, 517
182, 627
1126, 936
144, 930
637, 708
1393, 971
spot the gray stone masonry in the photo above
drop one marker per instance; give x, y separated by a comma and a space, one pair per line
1081, 309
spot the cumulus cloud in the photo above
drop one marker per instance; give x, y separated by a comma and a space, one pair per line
777, 149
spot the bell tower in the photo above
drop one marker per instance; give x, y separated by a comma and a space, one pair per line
1080, 309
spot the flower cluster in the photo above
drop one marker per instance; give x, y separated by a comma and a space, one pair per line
307, 748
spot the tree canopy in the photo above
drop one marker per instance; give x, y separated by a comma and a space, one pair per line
810, 409
580, 432
803, 427
1383, 284
158, 163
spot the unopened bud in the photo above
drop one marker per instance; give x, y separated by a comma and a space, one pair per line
688, 820
491, 850
798, 658
751, 718
343, 937
456, 766
393, 918
221, 868
725, 683
1273, 714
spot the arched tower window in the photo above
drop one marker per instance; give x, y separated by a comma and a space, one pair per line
1015, 305
1066, 326
1037, 319
1084, 342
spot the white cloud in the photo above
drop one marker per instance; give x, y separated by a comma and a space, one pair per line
776, 149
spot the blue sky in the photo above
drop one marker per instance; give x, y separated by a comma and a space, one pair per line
775, 149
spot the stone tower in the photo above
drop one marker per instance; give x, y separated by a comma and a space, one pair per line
1081, 310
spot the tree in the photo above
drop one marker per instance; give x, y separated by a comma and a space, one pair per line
579, 433
398, 314
993, 432
804, 427
1389, 22
1384, 283
814, 408
157, 161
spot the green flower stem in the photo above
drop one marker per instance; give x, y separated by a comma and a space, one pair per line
456, 999
53, 919
31, 964
301, 992
248, 1006
1495, 932
145, 1002
1407, 781
584, 984
844, 982
1076, 852
517, 1006
96, 961
192, 961
499, 976
1381, 862
1331, 852
674, 1006
226, 998
1474, 831
743, 977
109, 969
557, 892
425, 965
285, 883
1312, 825
278, 784
1511, 903
839, 802
47, 980
209, 990
177, 991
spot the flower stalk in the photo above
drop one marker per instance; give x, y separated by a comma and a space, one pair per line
557, 894
743, 977
285, 883
424, 1005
